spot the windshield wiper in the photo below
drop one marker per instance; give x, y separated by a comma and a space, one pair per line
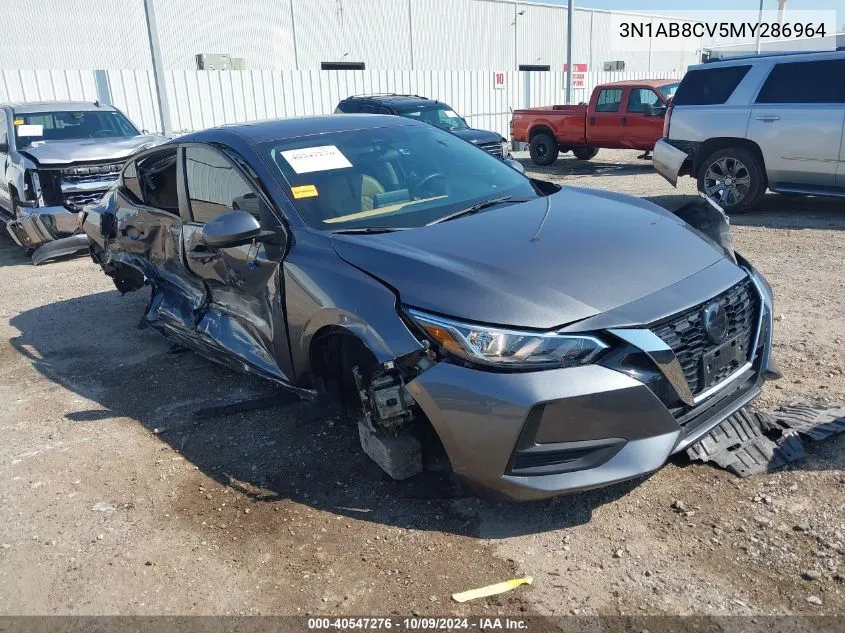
476, 208
371, 229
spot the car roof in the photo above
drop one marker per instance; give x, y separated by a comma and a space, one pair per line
394, 99
651, 83
24, 107
282, 129
782, 56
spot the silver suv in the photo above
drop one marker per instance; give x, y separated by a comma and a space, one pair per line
743, 125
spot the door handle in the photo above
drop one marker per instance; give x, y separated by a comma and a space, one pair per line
768, 119
624, 120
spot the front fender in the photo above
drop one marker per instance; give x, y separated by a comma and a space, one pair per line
322, 290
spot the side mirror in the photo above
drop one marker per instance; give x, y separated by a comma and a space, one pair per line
515, 164
231, 229
650, 110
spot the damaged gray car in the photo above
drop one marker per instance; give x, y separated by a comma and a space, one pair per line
554, 338
56, 157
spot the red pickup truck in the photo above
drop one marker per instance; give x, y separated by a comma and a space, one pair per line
622, 115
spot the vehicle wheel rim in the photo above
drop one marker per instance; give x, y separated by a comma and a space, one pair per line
541, 149
727, 181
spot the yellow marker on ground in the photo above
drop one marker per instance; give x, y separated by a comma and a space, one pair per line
491, 590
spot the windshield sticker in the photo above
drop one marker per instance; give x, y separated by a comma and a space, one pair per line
30, 130
451, 114
19, 121
304, 191
310, 159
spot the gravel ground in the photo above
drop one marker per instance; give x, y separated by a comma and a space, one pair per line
113, 501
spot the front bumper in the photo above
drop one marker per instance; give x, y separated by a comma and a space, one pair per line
37, 225
668, 161
535, 435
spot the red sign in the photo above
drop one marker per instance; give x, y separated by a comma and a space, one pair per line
578, 68
499, 81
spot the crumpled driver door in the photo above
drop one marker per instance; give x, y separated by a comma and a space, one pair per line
243, 323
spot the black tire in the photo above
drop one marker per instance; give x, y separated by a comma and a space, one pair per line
585, 153
744, 174
543, 149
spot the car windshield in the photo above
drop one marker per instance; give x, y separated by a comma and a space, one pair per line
31, 127
390, 177
439, 115
669, 90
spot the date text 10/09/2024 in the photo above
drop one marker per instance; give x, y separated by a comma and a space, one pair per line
418, 624
721, 29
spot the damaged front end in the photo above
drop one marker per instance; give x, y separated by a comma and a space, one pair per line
47, 222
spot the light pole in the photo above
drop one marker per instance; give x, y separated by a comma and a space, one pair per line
759, 22
569, 51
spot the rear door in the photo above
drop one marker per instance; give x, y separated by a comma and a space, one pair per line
797, 121
638, 130
604, 118
245, 312
147, 237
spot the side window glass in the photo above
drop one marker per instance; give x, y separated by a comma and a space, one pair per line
709, 86
805, 82
4, 135
130, 181
347, 107
383, 110
640, 98
367, 108
609, 100
215, 186
157, 180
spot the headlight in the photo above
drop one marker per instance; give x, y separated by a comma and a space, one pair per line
509, 348
505, 148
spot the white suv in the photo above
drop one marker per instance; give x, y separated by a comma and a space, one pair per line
743, 125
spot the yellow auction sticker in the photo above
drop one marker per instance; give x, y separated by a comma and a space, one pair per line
18, 121
304, 191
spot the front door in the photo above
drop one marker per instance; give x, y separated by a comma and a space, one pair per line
638, 130
244, 316
5, 196
797, 121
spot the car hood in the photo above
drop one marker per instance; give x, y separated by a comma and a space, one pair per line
88, 150
520, 266
477, 136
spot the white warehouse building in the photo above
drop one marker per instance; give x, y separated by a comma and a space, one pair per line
494, 35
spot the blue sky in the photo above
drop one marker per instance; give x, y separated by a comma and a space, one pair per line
670, 6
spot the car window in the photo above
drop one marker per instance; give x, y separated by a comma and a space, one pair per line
805, 82
156, 175
609, 100
215, 186
640, 97
130, 182
71, 125
4, 135
439, 115
399, 176
367, 108
668, 91
347, 107
709, 86
383, 110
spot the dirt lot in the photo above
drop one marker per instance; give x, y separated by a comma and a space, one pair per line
114, 501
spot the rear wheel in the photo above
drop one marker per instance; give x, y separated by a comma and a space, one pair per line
585, 153
543, 149
733, 178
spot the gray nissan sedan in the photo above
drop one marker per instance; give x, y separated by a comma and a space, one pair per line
554, 338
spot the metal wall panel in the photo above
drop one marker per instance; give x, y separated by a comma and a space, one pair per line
463, 34
541, 36
260, 32
48, 34
376, 32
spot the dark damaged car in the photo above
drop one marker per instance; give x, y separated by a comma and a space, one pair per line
555, 338
56, 157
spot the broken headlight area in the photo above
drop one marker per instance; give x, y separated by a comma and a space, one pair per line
502, 348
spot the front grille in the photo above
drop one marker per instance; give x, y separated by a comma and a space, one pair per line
685, 333
492, 148
75, 201
88, 173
